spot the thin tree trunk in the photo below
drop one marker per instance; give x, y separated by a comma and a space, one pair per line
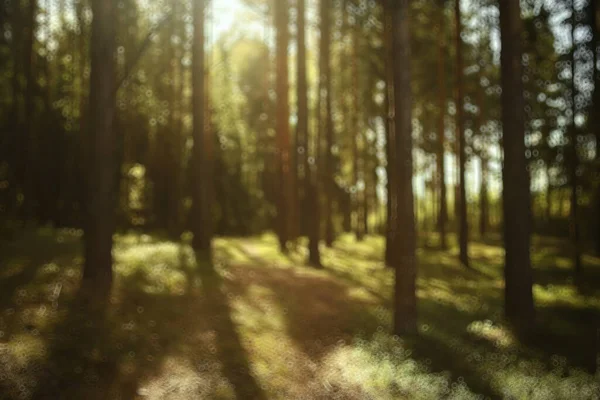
595, 120
573, 158
325, 71
27, 151
283, 129
12, 148
516, 193
405, 315
548, 197
302, 125
390, 233
483, 192
200, 192
441, 159
174, 219
310, 199
483, 199
367, 183
460, 132
355, 132
83, 106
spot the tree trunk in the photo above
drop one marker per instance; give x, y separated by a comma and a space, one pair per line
390, 234
285, 196
176, 188
441, 159
460, 133
101, 196
27, 150
302, 125
202, 217
595, 120
548, 197
572, 157
516, 192
355, 133
405, 310
483, 190
308, 185
325, 71
483, 198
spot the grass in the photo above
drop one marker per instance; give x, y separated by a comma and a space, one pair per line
258, 324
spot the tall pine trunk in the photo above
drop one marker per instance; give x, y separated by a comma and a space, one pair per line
310, 198
285, 196
441, 159
390, 234
355, 132
27, 150
463, 234
483, 157
101, 196
202, 218
405, 262
302, 125
595, 14
325, 71
515, 176
572, 157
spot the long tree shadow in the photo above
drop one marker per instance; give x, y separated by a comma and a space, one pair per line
20, 266
232, 354
78, 353
322, 312
319, 310
157, 322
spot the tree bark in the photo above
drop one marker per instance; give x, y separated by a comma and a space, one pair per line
283, 129
441, 159
101, 196
572, 157
460, 132
27, 150
405, 310
355, 132
310, 199
483, 157
325, 71
302, 125
202, 218
595, 120
516, 191
390, 234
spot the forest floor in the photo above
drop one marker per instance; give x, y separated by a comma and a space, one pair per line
262, 325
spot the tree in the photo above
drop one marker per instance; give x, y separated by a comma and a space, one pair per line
97, 273
311, 205
515, 177
200, 191
326, 87
390, 235
405, 310
286, 196
303, 117
595, 17
27, 157
572, 156
356, 128
460, 136
441, 159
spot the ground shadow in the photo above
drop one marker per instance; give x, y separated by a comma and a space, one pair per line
149, 323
